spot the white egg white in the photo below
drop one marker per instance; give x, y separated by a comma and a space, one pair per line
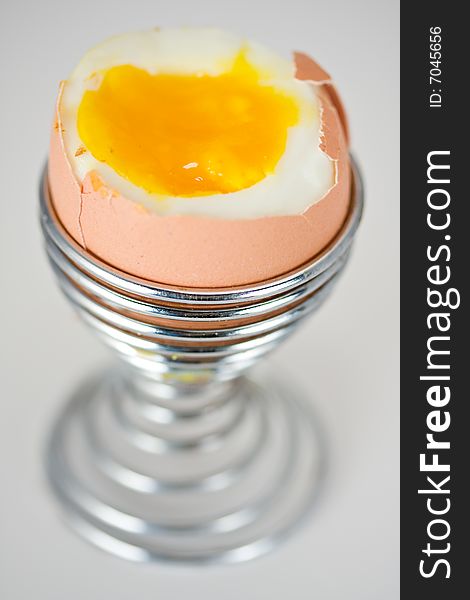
302, 176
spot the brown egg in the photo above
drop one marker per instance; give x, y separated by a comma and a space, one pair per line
213, 238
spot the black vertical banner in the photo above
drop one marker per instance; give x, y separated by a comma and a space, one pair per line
435, 268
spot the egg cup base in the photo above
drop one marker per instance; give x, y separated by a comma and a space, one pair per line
218, 480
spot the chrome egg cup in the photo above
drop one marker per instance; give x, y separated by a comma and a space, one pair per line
175, 454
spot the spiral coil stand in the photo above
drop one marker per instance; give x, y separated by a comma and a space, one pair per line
174, 454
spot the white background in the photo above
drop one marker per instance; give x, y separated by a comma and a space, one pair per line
345, 357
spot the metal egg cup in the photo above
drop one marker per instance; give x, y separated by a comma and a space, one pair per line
175, 454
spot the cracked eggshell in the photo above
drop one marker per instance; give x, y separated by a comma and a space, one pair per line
203, 252
308, 70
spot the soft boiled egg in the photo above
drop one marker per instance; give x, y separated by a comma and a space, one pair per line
194, 158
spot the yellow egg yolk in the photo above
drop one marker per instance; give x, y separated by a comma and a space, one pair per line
187, 135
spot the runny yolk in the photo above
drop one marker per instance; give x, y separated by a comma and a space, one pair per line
187, 135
